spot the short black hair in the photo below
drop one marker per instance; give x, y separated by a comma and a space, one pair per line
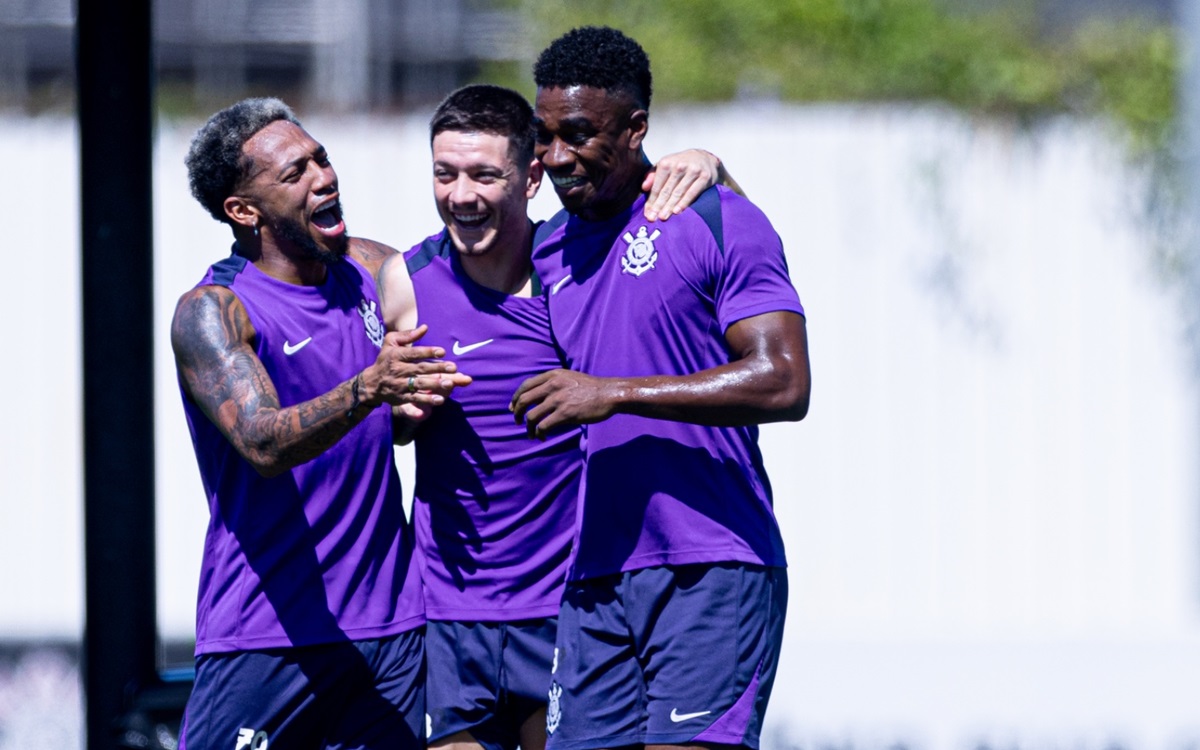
596, 56
484, 108
215, 161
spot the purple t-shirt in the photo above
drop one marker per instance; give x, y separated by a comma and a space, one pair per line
494, 510
630, 298
321, 553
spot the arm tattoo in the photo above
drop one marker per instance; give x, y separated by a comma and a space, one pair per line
371, 254
213, 340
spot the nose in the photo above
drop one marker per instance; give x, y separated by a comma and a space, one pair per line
555, 155
326, 180
463, 191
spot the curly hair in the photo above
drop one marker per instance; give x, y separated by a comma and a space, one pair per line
215, 161
483, 108
596, 56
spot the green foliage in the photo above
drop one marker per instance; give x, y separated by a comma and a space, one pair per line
884, 50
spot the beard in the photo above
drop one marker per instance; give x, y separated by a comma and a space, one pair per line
294, 232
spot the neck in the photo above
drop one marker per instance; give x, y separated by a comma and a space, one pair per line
506, 267
289, 265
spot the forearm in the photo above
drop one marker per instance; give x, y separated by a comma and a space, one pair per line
211, 336
740, 393
767, 381
275, 440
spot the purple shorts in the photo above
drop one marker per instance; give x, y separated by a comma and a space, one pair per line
355, 694
487, 678
669, 655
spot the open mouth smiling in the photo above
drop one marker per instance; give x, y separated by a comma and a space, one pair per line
327, 217
470, 221
566, 182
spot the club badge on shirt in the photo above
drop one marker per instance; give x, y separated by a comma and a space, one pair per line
371, 322
553, 707
640, 256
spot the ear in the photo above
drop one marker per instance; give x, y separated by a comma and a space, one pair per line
639, 124
242, 212
534, 181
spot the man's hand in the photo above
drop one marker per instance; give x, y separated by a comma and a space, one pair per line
562, 398
676, 181
410, 376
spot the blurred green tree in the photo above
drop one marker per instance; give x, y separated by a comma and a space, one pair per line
996, 60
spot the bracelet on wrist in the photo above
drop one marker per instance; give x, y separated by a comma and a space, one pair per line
354, 397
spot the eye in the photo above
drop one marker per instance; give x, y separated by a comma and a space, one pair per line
543, 136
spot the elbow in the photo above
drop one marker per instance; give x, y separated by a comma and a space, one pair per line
267, 463
793, 405
267, 468
789, 397
798, 409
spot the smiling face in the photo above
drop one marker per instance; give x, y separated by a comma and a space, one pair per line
589, 141
291, 194
482, 194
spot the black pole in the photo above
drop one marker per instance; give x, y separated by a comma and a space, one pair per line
115, 90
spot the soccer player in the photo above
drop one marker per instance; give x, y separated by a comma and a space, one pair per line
494, 511
309, 626
680, 338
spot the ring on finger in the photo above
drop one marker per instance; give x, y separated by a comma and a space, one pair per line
412, 383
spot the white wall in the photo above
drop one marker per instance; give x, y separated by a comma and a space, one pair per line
990, 511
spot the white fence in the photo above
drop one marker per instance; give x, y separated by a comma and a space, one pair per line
991, 510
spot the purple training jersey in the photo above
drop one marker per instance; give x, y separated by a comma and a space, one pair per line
632, 298
493, 509
321, 553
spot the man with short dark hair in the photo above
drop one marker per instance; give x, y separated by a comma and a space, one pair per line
309, 625
493, 511
681, 338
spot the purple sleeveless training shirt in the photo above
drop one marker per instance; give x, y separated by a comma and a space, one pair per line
494, 510
321, 553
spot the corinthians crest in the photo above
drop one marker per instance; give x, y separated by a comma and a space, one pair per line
640, 256
371, 322
554, 708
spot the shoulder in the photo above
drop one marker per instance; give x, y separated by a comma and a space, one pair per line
397, 293
543, 231
733, 207
210, 313
729, 216
207, 298
434, 247
369, 253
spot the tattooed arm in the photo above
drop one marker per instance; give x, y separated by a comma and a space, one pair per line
212, 337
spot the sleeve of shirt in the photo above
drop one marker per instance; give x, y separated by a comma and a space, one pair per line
754, 278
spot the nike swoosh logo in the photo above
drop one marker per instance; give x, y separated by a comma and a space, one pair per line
290, 349
460, 350
678, 717
558, 284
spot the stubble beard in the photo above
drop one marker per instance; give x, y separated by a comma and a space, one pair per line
294, 232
